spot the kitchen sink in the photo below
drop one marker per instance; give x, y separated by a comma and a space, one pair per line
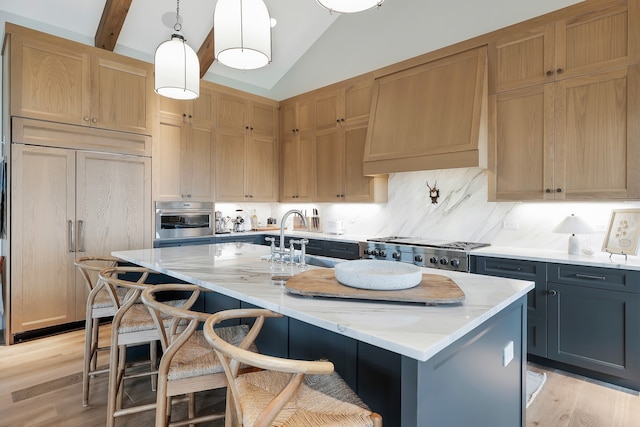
315, 260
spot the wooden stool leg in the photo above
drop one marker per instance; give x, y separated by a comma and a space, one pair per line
113, 381
153, 355
94, 340
192, 407
122, 362
88, 352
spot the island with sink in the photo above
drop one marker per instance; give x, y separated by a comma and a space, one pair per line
416, 364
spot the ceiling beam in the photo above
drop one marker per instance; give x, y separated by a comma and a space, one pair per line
205, 54
113, 16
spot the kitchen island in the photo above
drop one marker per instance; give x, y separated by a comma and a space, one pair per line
417, 365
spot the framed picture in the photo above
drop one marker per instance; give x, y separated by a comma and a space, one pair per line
622, 234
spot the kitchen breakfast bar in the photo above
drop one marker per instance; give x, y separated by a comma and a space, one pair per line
417, 365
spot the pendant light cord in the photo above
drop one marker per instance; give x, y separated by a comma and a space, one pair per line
178, 26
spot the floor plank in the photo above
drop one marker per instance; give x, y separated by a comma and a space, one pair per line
566, 400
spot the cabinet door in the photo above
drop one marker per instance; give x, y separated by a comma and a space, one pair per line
597, 135
595, 329
263, 121
357, 186
329, 167
326, 108
120, 95
203, 109
167, 152
595, 41
232, 111
230, 164
260, 169
196, 162
297, 168
357, 102
521, 144
113, 207
42, 234
49, 82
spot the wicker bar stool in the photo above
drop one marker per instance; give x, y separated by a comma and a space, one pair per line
99, 306
188, 364
132, 325
287, 392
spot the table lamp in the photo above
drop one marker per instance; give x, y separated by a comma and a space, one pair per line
573, 225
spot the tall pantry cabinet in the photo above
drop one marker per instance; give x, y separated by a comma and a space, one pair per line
76, 187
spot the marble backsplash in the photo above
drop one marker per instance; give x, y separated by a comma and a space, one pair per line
462, 213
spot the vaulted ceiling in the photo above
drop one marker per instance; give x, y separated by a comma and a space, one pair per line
311, 47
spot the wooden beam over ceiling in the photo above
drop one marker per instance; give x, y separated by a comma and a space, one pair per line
205, 54
113, 16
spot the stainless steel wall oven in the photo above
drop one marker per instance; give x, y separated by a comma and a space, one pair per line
184, 219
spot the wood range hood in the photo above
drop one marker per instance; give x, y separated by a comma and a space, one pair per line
430, 116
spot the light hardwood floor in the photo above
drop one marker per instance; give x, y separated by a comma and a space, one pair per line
40, 385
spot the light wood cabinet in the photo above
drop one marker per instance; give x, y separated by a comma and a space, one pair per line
339, 168
430, 116
587, 43
183, 149
246, 150
335, 107
577, 139
297, 152
67, 203
59, 80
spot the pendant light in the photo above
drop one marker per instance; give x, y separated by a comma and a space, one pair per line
177, 69
349, 6
242, 34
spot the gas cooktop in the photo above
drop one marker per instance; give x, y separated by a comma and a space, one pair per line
440, 244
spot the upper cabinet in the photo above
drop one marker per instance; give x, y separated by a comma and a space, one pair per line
246, 154
570, 132
343, 106
296, 149
586, 43
431, 116
58, 80
183, 148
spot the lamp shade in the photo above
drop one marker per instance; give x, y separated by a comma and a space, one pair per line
242, 34
573, 225
349, 6
177, 69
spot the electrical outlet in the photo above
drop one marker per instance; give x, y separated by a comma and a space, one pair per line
510, 224
507, 354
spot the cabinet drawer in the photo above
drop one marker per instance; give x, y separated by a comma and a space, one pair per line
596, 277
511, 268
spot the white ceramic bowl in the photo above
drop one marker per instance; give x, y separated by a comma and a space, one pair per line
378, 275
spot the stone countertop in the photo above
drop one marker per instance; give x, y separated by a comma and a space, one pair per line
413, 330
597, 259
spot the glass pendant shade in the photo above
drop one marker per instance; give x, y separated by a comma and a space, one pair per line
242, 34
177, 69
349, 6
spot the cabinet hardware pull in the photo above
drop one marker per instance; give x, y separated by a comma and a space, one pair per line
85, 118
70, 233
548, 190
590, 276
553, 292
80, 235
508, 267
558, 190
559, 71
549, 72
94, 120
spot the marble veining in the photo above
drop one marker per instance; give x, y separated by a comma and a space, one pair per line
462, 213
416, 331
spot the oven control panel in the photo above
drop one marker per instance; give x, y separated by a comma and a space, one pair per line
445, 259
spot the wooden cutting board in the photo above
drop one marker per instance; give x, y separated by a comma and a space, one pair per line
434, 289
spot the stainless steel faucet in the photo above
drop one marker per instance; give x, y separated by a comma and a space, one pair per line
282, 224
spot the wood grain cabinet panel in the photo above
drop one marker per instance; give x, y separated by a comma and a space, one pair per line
62, 81
590, 42
65, 204
297, 118
563, 111
184, 148
246, 156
